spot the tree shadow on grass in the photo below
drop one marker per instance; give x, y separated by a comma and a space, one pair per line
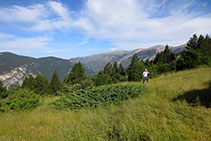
197, 97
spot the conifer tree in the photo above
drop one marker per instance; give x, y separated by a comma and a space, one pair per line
55, 83
108, 69
192, 43
31, 82
77, 74
41, 85
115, 68
65, 80
121, 70
2, 90
25, 83
135, 69
165, 56
28, 82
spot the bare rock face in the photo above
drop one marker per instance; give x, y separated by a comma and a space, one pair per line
15, 76
14, 68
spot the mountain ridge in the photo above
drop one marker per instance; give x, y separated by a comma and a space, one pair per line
97, 61
14, 68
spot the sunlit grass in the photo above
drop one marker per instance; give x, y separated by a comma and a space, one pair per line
151, 116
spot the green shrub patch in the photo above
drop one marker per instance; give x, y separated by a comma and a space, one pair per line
21, 99
102, 95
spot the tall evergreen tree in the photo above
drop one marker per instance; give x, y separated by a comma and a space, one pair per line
77, 74
31, 82
192, 43
2, 90
25, 83
115, 68
135, 69
41, 85
65, 80
55, 83
165, 56
108, 69
28, 82
121, 70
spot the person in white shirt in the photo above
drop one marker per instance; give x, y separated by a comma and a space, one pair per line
145, 75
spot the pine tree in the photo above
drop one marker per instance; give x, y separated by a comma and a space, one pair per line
25, 83
41, 85
108, 69
2, 90
192, 43
165, 56
28, 82
65, 80
121, 70
115, 68
55, 83
135, 69
31, 82
77, 74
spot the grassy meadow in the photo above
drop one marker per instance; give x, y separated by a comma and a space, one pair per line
175, 108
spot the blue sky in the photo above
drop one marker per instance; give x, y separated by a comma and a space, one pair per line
72, 28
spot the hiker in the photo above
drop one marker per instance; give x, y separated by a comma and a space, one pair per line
145, 75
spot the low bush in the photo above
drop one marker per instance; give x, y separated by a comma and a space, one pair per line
102, 95
20, 99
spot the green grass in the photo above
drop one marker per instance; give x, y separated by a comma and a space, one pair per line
162, 114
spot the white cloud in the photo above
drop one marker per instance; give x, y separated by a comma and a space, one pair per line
124, 22
41, 17
25, 43
127, 24
22, 14
83, 42
4, 36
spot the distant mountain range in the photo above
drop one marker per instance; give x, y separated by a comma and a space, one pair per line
98, 61
14, 68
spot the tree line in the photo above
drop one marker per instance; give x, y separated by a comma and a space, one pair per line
197, 52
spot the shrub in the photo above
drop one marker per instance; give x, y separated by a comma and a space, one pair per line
102, 79
102, 95
69, 88
20, 99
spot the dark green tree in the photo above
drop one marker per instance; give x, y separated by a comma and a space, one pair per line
121, 70
2, 90
102, 79
188, 60
55, 83
108, 69
65, 80
115, 68
41, 85
25, 83
135, 69
28, 82
165, 56
77, 74
192, 43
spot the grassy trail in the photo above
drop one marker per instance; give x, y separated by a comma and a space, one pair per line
158, 115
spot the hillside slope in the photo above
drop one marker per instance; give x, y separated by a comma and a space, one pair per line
98, 61
14, 68
165, 113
